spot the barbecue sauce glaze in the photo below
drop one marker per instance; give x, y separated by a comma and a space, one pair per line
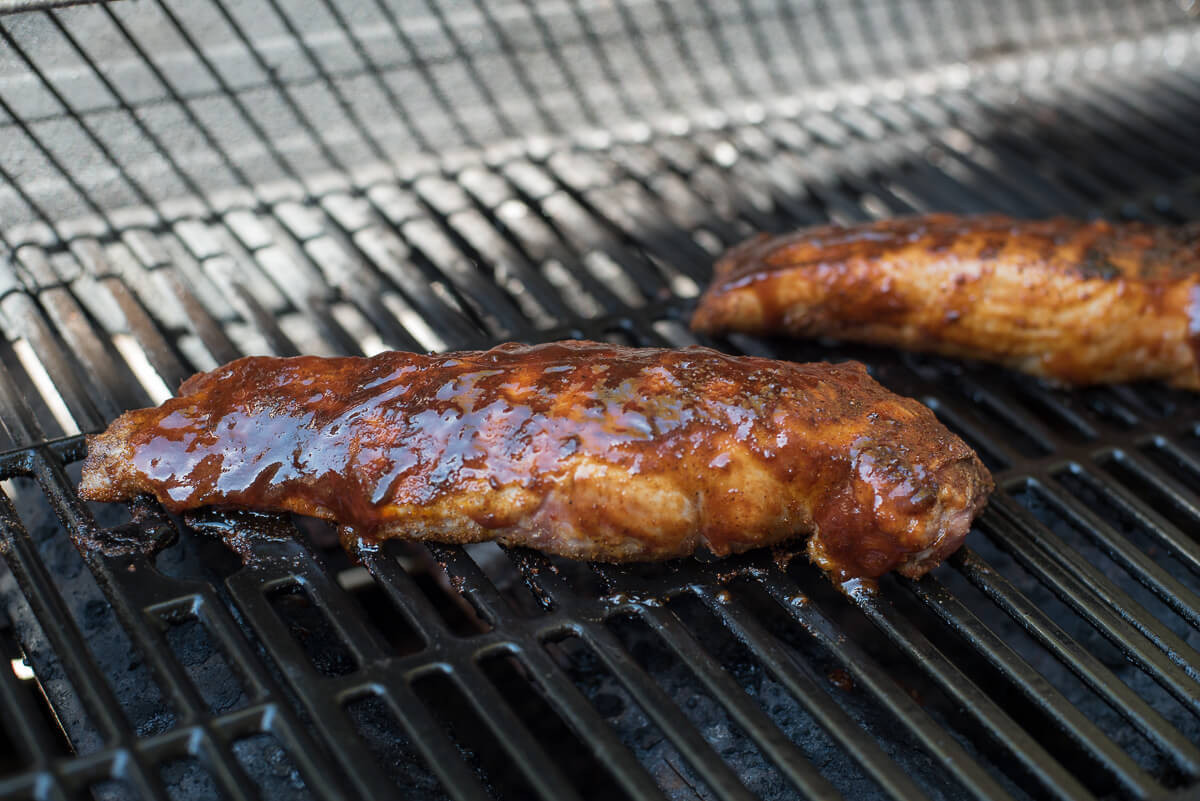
576, 448
1077, 302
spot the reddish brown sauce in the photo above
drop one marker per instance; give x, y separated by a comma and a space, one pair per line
353, 440
1075, 301
1092, 248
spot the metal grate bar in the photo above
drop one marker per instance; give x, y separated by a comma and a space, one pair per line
149, 266
495, 303
37, 742
102, 368
818, 703
154, 590
1163, 148
184, 697
159, 353
1021, 747
323, 710
598, 209
178, 171
58, 625
1119, 626
869, 675
1180, 497
1063, 177
586, 722
1173, 593
659, 708
403, 593
67, 641
1082, 732
548, 586
1103, 588
19, 423
439, 753
512, 735
329, 597
517, 238
476, 587
1090, 670
474, 235
86, 406
562, 693
787, 758
298, 253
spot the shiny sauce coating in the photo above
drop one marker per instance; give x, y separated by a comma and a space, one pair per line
577, 448
1074, 301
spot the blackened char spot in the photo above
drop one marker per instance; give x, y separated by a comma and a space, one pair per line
1095, 264
989, 251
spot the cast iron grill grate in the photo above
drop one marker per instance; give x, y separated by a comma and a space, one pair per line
168, 211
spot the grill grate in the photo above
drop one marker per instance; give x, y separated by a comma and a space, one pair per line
1056, 656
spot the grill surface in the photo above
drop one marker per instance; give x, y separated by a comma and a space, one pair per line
189, 183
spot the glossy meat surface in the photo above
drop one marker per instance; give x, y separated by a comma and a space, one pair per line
1074, 302
581, 449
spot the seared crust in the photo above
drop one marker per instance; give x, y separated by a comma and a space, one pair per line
580, 449
1072, 301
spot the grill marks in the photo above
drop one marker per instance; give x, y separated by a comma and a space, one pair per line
1075, 302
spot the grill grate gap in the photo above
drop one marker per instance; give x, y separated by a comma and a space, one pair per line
497, 565
1088, 489
612, 701
583, 579
1159, 400
23, 693
784, 710
1044, 725
123, 668
61, 722
561, 744
389, 745
1106, 404
1109, 719
187, 778
1164, 503
1056, 409
444, 592
206, 666
828, 673
372, 603
114, 790
1058, 526
311, 629
1088, 636
270, 767
728, 740
999, 414
463, 725
1177, 467
909, 676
